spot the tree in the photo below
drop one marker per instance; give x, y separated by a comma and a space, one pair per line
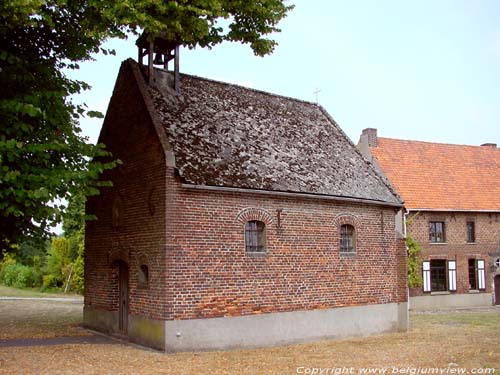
44, 159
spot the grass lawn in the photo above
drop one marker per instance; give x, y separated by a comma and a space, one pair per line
465, 339
6, 291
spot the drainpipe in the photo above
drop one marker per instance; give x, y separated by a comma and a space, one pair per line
405, 215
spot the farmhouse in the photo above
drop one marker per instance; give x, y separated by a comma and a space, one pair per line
452, 194
238, 218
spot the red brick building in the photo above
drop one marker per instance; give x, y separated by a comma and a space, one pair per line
452, 194
237, 219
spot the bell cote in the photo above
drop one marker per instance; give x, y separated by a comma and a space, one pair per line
160, 52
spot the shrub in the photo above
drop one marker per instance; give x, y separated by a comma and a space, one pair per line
414, 272
20, 276
49, 282
77, 282
8, 260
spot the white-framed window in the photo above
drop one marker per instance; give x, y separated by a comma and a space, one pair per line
439, 275
477, 274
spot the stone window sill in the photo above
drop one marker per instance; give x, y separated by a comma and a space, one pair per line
348, 255
438, 243
439, 293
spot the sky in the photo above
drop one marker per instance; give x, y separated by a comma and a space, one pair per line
422, 70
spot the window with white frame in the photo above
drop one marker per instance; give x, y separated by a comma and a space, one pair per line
477, 274
439, 275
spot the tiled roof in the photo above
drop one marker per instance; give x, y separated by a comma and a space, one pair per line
441, 176
230, 136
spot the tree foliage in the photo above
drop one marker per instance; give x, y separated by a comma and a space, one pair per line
414, 270
414, 261
44, 159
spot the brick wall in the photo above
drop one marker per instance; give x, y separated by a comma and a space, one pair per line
210, 275
137, 234
487, 227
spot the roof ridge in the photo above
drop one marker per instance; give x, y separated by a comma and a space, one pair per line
438, 143
249, 89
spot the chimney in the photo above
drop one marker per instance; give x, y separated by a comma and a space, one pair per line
159, 51
371, 135
492, 145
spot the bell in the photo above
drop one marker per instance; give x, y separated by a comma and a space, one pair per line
158, 60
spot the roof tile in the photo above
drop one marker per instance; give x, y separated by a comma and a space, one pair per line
230, 136
442, 176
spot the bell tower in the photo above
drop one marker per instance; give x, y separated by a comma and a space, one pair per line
160, 51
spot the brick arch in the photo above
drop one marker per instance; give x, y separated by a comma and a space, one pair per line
118, 255
254, 213
342, 219
120, 250
143, 258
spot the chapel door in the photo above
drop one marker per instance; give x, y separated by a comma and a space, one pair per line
497, 290
123, 296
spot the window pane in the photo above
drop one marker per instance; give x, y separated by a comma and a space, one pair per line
472, 274
471, 231
438, 275
347, 238
436, 231
255, 236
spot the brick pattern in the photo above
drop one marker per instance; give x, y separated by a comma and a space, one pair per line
194, 240
487, 227
210, 275
138, 237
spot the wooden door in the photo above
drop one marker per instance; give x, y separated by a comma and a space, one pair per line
123, 296
497, 290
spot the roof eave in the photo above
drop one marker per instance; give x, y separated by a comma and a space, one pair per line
453, 210
292, 195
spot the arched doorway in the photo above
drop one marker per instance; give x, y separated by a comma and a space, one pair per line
122, 296
497, 290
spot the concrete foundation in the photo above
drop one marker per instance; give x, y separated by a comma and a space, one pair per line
283, 328
141, 330
100, 320
253, 331
450, 301
146, 331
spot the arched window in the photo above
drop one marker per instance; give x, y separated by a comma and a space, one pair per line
143, 276
255, 236
347, 239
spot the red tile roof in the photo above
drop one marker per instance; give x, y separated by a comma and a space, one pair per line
440, 176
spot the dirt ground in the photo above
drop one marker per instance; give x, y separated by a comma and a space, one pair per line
444, 341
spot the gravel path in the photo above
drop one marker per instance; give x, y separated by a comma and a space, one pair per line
95, 339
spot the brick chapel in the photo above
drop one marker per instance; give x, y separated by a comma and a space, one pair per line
237, 218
